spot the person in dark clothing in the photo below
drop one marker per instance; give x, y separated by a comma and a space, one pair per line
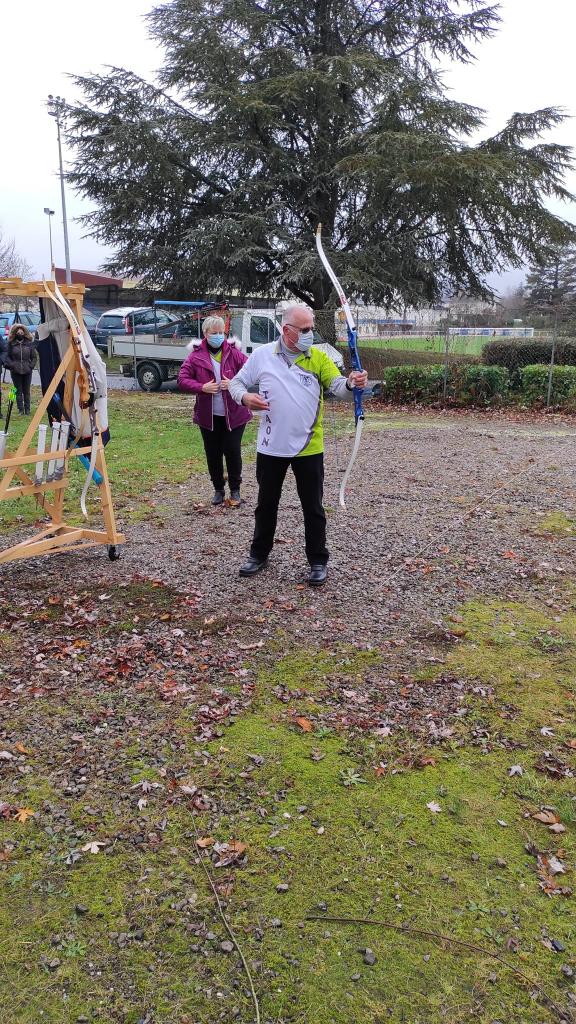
20, 359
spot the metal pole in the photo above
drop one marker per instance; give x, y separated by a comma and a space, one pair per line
446, 356
552, 355
55, 106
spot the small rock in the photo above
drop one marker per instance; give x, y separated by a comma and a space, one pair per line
227, 946
282, 887
558, 946
475, 857
493, 977
54, 964
80, 908
322, 906
138, 935
426, 957
501, 863
567, 971
369, 957
355, 977
275, 922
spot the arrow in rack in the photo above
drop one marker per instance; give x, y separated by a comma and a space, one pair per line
354, 359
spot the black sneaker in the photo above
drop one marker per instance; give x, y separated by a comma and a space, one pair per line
252, 566
235, 496
218, 498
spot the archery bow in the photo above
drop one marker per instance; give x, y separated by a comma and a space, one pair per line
86, 380
354, 359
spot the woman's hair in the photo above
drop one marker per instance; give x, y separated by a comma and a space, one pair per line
213, 323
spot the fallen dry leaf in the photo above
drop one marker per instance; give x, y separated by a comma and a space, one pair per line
92, 847
21, 748
546, 817
205, 842
304, 724
557, 828
23, 813
434, 807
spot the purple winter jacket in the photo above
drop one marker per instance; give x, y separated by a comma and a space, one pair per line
197, 370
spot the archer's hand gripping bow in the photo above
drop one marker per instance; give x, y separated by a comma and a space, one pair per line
354, 359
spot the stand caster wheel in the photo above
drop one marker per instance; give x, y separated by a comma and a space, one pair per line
113, 553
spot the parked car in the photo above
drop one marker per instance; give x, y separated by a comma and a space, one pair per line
110, 322
148, 320
90, 322
22, 316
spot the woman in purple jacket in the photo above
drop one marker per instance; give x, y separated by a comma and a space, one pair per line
206, 373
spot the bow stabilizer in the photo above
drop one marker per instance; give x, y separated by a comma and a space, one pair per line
354, 360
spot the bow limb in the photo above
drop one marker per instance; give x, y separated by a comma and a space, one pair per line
354, 359
85, 381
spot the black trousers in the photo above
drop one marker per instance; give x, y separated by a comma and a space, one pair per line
309, 473
22, 382
219, 444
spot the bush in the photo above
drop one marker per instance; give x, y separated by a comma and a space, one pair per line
466, 385
533, 382
480, 385
516, 353
413, 383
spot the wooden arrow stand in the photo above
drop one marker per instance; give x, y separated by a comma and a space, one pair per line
16, 481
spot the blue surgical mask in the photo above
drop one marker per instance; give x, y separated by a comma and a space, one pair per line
305, 341
215, 340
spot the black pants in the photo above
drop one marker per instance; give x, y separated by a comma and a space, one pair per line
219, 444
309, 473
22, 382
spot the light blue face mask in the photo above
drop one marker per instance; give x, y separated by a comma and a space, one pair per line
305, 341
215, 340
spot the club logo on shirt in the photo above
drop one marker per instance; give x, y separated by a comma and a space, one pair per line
306, 379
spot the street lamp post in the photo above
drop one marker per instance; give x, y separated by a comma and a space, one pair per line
56, 109
50, 214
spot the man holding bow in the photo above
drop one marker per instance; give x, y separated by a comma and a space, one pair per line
291, 376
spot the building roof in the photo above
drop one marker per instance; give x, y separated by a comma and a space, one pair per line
90, 278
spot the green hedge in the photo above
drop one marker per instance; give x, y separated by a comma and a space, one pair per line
533, 385
413, 383
481, 385
516, 353
465, 385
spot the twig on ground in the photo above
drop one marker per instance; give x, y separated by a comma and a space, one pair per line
566, 1015
228, 926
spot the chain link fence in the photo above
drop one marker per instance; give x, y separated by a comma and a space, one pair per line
442, 358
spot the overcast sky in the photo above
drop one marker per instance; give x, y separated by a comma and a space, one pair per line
530, 64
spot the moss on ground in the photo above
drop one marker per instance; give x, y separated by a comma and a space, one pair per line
122, 925
558, 524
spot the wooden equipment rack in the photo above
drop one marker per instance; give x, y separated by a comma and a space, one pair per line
16, 481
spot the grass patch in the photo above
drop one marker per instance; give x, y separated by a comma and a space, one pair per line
558, 524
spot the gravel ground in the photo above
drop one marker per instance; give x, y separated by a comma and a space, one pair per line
408, 549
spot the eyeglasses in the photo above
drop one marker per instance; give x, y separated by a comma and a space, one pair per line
301, 330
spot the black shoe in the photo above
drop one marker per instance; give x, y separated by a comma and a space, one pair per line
235, 496
218, 498
252, 566
317, 575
